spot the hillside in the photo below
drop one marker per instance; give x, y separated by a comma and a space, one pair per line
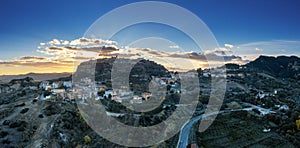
35, 76
139, 77
281, 66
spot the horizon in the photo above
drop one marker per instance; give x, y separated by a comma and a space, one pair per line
153, 61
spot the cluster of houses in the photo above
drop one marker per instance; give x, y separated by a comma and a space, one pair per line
222, 73
87, 89
60, 89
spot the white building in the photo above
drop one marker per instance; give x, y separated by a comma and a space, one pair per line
67, 84
44, 84
55, 85
284, 108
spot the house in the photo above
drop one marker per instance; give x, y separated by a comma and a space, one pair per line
175, 88
70, 96
163, 82
108, 92
146, 95
284, 108
56, 85
116, 98
48, 97
231, 75
86, 80
126, 93
135, 76
241, 75
136, 99
44, 84
261, 95
114, 114
57, 91
67, 84
43, 97
206, 74
266, 130
48, 87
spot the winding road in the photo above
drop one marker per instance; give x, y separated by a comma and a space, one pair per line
185, 130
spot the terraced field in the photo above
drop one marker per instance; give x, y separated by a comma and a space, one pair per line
239, 131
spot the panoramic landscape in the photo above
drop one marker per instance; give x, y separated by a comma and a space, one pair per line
109, 74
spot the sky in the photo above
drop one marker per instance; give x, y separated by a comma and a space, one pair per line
243, 29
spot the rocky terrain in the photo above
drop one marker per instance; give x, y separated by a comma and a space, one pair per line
27, 121
141, 71
268, 82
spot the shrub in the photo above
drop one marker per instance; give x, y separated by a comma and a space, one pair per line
87, 139
298, 124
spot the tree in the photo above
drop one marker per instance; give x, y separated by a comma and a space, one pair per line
169, 87
298, 124
109, 96
87, 139
101, 93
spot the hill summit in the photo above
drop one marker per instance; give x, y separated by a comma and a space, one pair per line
281, 66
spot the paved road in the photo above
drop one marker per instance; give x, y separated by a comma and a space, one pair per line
185, 130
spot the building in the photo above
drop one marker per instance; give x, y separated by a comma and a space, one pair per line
102, 87
67, 84
44, 84
136, 99
56, 85
57, 91
146, 95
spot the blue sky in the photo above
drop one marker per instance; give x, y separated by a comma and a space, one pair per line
25, 24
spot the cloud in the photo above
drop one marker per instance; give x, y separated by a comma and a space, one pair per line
174, 47
61, 55
34, 61
219, 51
205, 57
57, 47
150, 51
102, 49
54, 42
54, 48
217, 55
64, 54
79, 42
272, 48
85, 42
228, 45
32, 58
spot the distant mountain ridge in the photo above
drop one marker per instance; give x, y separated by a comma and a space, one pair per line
281, 66
35, 76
